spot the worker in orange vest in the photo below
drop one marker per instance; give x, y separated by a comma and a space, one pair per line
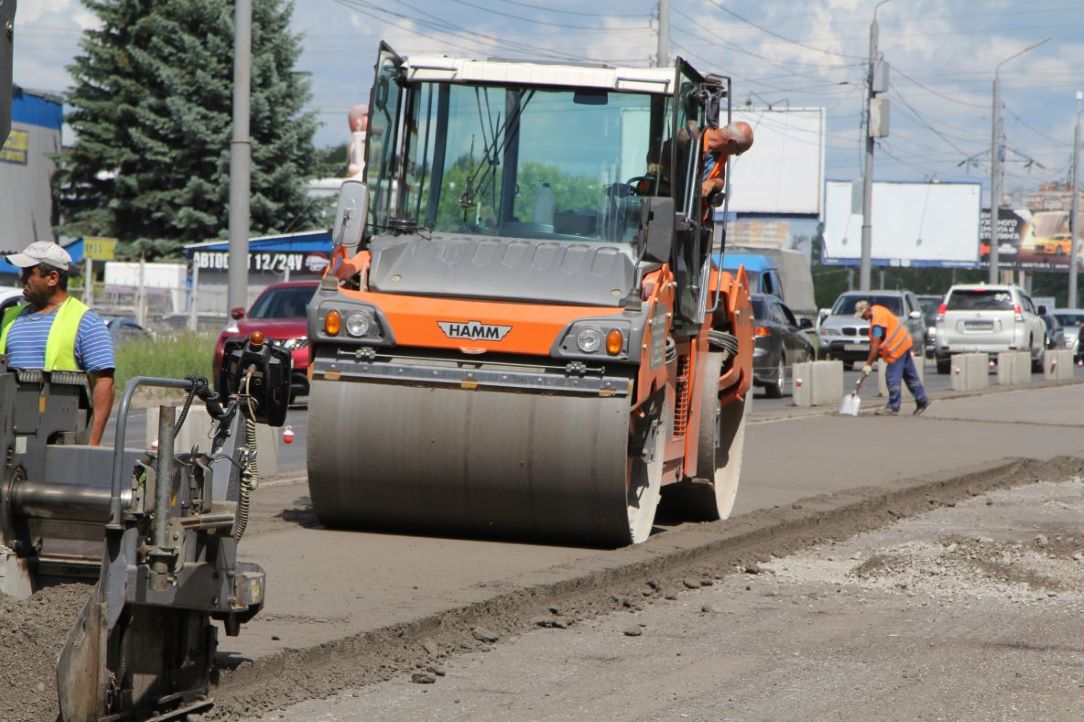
889, 340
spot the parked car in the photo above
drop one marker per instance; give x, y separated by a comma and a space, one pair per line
10, 297
989, 319
124, 328
1072, 322
280, 313
779, 343
929, 305
844, 336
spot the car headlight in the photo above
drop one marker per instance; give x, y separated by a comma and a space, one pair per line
589, 339
359, 323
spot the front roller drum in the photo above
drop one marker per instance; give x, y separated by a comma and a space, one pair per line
710, 495
489, 463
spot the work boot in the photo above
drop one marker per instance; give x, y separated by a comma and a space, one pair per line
920, 408
885, 411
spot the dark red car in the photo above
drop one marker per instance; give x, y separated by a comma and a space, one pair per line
279, 312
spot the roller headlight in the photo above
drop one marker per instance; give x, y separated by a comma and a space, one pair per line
359, 324
589, 339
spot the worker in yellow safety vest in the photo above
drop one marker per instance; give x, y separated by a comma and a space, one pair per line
889, 340
55, 332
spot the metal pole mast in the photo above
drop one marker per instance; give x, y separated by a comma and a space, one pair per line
240, 156
1074, 212
995, 164
662, 54
867, 177
995, 182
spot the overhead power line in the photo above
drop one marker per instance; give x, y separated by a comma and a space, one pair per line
569, 12
533, 20
781, 37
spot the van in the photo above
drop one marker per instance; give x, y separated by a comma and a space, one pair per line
783, 273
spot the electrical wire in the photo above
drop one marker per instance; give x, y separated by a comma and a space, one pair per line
1035, 130
777, 35
533, 20
568, 12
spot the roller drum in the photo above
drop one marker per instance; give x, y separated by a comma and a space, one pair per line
470, 462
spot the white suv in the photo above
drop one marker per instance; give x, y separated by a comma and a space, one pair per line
988, 319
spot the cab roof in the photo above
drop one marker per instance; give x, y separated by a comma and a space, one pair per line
441, 68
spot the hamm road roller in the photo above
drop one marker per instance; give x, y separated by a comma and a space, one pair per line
521, 334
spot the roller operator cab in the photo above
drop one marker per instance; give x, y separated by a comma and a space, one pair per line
521, 333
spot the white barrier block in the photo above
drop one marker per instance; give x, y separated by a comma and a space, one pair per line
827, 382
882, 385
197, 427
970, 371
802, 383
1058, 365
1014, 368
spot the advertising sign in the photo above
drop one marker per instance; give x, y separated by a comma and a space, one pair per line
1028, 240
99, 249
16, 148
264, 261
914, 224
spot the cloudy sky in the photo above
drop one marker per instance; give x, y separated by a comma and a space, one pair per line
801, 53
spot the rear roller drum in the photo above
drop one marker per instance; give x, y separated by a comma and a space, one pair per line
710, 496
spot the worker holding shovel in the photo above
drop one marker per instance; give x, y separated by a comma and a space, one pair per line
889, 340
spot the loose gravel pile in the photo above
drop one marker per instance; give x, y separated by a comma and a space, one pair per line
32, 632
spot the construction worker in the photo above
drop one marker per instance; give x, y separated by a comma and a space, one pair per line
719, 145
55, 332
889, 340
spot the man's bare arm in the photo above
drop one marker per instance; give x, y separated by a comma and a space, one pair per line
101, 397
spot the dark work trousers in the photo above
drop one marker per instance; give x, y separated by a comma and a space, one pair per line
903, 367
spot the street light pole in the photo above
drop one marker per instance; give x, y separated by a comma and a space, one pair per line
1074, 242
240, 158
662, 54
995, 165
867, 178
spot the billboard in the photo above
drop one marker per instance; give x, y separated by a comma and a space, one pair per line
1029, 240
914, 224
783, 173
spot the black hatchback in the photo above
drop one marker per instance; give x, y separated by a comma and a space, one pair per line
780, 342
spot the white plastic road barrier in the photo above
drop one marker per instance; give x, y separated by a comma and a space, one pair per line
803, 392
1058, 365
822, 383
882, 386
970, 371
1013, 368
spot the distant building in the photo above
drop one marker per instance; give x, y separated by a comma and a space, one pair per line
27, 212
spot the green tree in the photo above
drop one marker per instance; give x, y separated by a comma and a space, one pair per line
151, 108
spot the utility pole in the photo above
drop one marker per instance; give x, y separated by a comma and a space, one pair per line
876, 81
1074, 212
995, 183
240, 157
995, 166
662, 53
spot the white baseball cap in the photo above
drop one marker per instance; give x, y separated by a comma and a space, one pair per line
47, 252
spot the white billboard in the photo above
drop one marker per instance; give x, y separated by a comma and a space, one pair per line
784, 170
914, 224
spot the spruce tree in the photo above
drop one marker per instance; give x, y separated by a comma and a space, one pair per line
151, 109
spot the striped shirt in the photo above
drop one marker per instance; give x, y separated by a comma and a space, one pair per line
30, 332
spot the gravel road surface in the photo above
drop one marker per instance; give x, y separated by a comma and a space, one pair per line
973, 611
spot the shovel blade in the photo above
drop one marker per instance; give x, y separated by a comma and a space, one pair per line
850, 405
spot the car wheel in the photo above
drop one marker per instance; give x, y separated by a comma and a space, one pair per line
775, 390
1037, 362
944, 364
848, 365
